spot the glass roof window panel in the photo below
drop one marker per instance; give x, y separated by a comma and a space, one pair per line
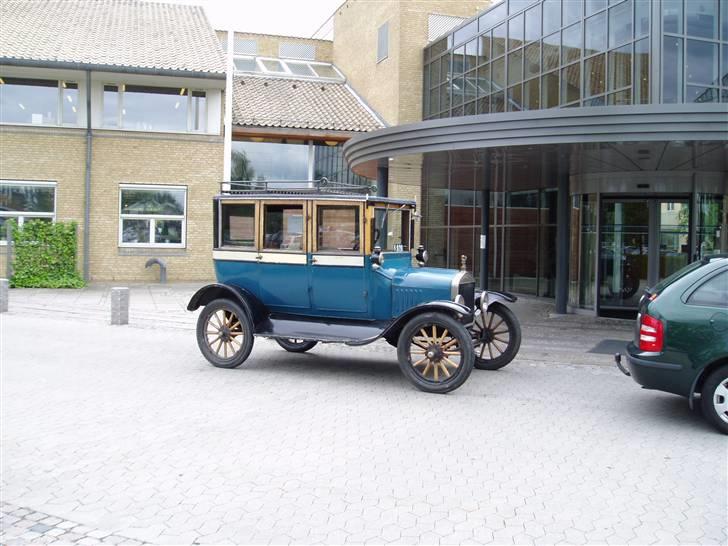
619, 68
641, 18
593, 6
571, 12
620, 24
325, 71
571, 83
701, 62
471, 54
499, 40
514, 6
484, 48
550, 90
273, 65
498, 74
515, 67
458, 60
672, 16
701, 94
701, 18
571, 44
492, 17
246, 64
532, 60
594, 75
515, 98
515, 32
532, 94
484, 87
550, 51
595, 34
300, 69
551, 16
533, 24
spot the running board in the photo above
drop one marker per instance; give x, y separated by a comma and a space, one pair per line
322, 330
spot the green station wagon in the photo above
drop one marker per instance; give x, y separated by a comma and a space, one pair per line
681, 338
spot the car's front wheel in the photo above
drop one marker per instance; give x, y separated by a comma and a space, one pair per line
224, 333
714, 399
435, 352
296, 345
497, 336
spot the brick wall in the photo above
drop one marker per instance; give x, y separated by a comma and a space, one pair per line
60, 155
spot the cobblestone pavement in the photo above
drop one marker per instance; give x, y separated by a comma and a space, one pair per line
128, 432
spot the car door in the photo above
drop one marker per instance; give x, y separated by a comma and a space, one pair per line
283, 277
236, 253
338, 275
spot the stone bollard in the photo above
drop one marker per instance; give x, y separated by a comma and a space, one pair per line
120, 305
4, 295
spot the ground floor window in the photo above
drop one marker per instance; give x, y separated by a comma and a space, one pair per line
26, 200
152, 216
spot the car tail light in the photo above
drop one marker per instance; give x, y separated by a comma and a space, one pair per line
652, 334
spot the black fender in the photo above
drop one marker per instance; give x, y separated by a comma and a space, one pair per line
456, 310
254, 308
495, 296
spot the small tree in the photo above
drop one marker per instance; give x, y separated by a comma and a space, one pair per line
45, 255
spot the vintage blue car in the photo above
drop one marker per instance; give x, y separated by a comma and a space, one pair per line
314, 264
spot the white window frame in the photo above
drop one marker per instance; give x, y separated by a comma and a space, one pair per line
21, 216
152, 217
121, 89
59, 106
287, 72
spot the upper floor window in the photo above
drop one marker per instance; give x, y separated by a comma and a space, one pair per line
152, 216
38, 102
23, 201
149, 108
383, 42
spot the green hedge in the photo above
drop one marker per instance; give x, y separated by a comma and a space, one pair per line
45, 255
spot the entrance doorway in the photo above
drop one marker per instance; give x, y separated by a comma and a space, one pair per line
641, 241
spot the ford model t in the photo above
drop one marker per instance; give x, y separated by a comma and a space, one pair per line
326, 264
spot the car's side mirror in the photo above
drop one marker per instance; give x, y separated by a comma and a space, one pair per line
376, 257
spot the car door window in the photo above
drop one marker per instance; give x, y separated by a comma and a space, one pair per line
238, 225
713, 292
283, 227
337, 229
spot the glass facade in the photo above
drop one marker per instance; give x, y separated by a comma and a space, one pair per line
534, 54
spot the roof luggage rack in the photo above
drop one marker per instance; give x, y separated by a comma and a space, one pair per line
295, 187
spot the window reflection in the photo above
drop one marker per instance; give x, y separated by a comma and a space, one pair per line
672, 66
148, 108
28, 100
594, 75
620, 67
283, 227
620, 23
238, 225
595, 35
701, 17
701, 64
269, 161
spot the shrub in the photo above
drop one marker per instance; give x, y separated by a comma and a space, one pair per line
45, 255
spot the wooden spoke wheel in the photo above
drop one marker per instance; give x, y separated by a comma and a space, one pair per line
435, 352
497, 337
224, 334
296, 345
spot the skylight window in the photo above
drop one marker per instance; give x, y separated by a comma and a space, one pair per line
282, 67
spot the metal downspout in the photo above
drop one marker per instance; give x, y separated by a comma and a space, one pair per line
87, 186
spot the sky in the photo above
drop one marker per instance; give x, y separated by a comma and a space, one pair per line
287, 17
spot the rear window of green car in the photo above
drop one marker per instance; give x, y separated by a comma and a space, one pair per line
679, 274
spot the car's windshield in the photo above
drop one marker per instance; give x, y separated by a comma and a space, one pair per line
680, 273
391, 229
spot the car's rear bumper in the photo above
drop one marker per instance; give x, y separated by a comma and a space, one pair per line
651, 373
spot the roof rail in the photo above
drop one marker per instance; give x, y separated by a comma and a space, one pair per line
710, 257
296, 187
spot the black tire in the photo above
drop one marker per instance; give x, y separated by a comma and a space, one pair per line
497, 337
296, 345
221, 325
714, 399
425, 355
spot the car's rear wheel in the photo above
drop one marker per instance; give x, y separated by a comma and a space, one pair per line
224, 334
296, 345
497, 336
714, 399
435, 352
